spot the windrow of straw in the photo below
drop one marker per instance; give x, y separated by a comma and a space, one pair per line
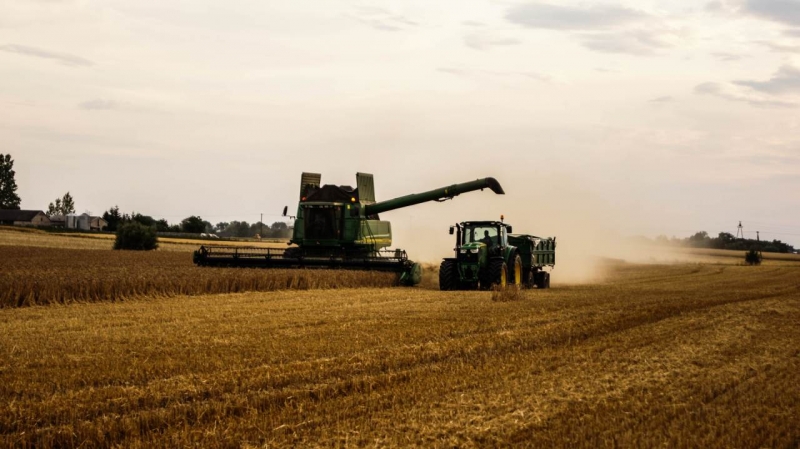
38, 276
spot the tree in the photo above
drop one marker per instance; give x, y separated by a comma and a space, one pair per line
113, 218
278, 230
193, 225
136, 236
8, 186
162, 225
237, 229
221, 226
145, 220
62, 206
256, 229
700, 239
54, 209
68, 204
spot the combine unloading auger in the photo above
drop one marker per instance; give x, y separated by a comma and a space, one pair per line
339, 227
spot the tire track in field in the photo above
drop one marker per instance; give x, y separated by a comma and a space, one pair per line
381, 373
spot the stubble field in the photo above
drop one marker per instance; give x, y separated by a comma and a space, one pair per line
678, 355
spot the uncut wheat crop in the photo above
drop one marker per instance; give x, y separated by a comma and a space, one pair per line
37, 276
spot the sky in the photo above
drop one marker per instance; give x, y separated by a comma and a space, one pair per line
619, 117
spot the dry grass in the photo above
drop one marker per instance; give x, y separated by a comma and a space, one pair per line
508, 293
18, 236
37, 276
658, 356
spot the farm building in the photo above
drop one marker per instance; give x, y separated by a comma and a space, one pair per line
98, 224
85, 222
58, 221
23, 218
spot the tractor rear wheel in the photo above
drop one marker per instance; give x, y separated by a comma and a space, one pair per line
547, 280
448, 275
498, 273
528, 278
542, 279
516, 276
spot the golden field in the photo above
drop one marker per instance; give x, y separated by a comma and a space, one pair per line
674, 355
11, 236
39, 276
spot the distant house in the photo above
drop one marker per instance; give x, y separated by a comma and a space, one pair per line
58, 221
23, 217
85, 222
98, 224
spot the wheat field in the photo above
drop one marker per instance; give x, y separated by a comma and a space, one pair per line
679, 355
39, 276
29, 237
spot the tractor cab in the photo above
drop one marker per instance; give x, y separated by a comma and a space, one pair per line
471, 235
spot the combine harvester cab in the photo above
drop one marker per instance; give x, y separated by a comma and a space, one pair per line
488, 255
339, 227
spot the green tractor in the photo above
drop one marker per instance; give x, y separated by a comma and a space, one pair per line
488, 255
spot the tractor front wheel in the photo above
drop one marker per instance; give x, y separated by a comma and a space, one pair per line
498, 273
448, 276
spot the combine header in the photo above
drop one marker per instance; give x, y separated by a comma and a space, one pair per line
339, 227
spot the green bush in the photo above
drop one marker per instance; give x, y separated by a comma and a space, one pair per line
752, 257
136, 236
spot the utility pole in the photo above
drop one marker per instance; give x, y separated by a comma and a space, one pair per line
261, 232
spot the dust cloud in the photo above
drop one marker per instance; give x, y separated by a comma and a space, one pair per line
587, 226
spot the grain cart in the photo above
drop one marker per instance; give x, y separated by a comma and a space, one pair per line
339, 227
487, 254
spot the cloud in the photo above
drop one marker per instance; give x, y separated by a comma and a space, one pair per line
475, 73
665, 99
639, 42
783, 11
480, 42
382, 19
62, 58
727, 57
786, 80
780, 48
728, 92
99, 105
544, 15
601, 28
473, 23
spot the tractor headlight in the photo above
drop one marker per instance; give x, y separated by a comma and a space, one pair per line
474, 251
463, 251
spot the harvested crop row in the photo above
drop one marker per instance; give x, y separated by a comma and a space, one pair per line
673, 356
38, 276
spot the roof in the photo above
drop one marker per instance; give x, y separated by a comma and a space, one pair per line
18, 215
484, 223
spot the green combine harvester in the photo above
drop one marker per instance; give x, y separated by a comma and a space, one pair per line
488, 255
339, 227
